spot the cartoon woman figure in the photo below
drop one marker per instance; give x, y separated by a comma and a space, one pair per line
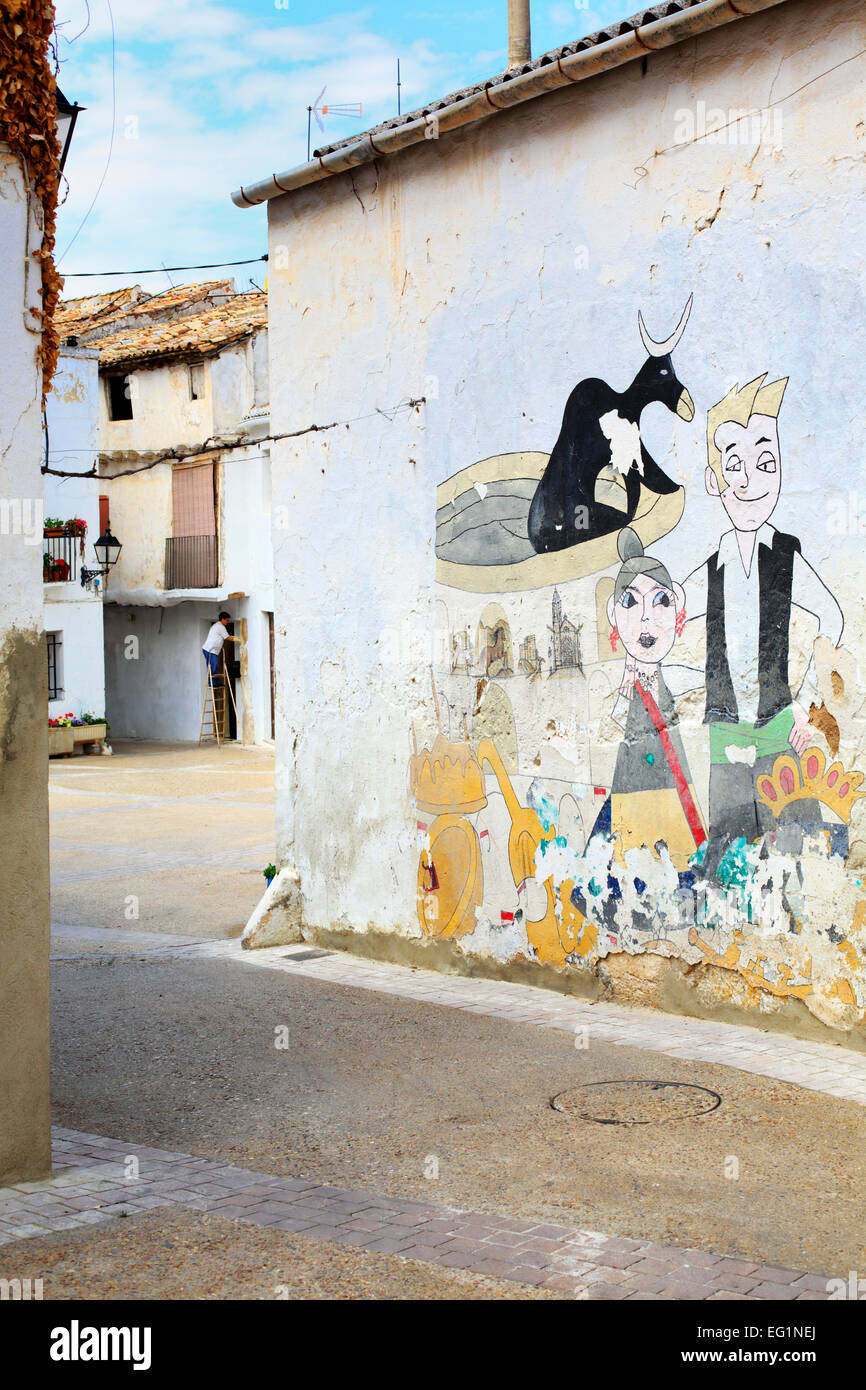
652, 797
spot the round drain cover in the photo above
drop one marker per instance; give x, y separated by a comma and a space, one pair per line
636, 1102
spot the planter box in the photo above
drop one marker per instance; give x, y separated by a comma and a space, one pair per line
88, 733
61, 741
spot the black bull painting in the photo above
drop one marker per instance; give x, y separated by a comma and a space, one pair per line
592, 483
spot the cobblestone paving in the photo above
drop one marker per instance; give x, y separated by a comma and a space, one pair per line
96, 1180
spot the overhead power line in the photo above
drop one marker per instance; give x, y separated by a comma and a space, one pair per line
212, 445
161, 269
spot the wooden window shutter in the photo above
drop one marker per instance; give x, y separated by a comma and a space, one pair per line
193, 500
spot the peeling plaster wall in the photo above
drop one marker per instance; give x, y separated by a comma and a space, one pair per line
489, 272
164, 416
141, 517
24, 1076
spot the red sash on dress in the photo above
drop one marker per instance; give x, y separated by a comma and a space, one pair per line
690, 810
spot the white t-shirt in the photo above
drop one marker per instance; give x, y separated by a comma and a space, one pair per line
215, 640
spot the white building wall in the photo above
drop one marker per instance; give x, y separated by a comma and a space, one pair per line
72, 414
164, 415
160, 694
163, 412
489, 272
25, 1151
155, 670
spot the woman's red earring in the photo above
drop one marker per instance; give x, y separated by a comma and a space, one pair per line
681, 622
614, 638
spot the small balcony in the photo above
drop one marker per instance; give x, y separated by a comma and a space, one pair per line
191, 562
60, 558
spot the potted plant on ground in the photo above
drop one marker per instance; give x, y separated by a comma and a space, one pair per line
270, 873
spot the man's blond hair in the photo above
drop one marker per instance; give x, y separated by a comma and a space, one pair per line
740, 405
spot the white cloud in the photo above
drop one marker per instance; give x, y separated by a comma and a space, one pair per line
223, 104
578, 19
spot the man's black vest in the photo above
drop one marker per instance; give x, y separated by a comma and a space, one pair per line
775, 575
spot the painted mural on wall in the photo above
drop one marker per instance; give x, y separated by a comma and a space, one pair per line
622, 759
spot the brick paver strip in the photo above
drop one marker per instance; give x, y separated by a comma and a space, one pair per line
90, 1187
828, 1067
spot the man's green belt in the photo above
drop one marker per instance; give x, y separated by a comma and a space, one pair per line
768, 740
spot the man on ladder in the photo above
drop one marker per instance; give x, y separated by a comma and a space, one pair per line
216, 639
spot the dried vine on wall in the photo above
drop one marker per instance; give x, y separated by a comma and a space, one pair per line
28, 116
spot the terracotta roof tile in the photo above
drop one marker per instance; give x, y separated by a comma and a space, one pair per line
178, 295
79, 315
95, 312
191, 335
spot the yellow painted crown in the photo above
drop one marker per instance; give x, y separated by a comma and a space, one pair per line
794, 779
447, 777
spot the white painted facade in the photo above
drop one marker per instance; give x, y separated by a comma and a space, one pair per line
156, 684
488, 272
25, 1150
21, 528
72, 612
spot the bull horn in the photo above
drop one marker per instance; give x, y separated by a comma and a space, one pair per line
666, 348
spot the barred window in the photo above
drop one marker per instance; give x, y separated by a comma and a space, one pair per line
54, 641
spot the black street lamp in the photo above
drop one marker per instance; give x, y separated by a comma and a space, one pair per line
66, 117
106, 549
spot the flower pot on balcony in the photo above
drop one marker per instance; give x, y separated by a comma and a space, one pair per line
60, 741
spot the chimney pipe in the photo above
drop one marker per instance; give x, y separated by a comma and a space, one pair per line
519, 41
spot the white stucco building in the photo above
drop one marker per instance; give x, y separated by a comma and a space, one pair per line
29, 167
184, 467
456, 274
73, 612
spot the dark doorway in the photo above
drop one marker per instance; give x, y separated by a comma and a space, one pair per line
230, 667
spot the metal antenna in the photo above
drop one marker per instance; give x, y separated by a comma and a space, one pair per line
399, 112
353, 109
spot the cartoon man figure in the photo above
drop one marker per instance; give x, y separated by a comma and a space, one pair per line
746, 590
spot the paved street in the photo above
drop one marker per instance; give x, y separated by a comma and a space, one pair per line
340, 1122
176, 834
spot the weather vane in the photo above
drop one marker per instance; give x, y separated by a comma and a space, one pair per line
352, 109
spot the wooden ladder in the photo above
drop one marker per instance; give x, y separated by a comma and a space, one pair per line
214, 711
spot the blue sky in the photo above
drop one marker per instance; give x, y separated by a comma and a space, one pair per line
206, 94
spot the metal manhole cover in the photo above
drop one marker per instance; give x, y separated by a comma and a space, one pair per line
306, 955
635, 1102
